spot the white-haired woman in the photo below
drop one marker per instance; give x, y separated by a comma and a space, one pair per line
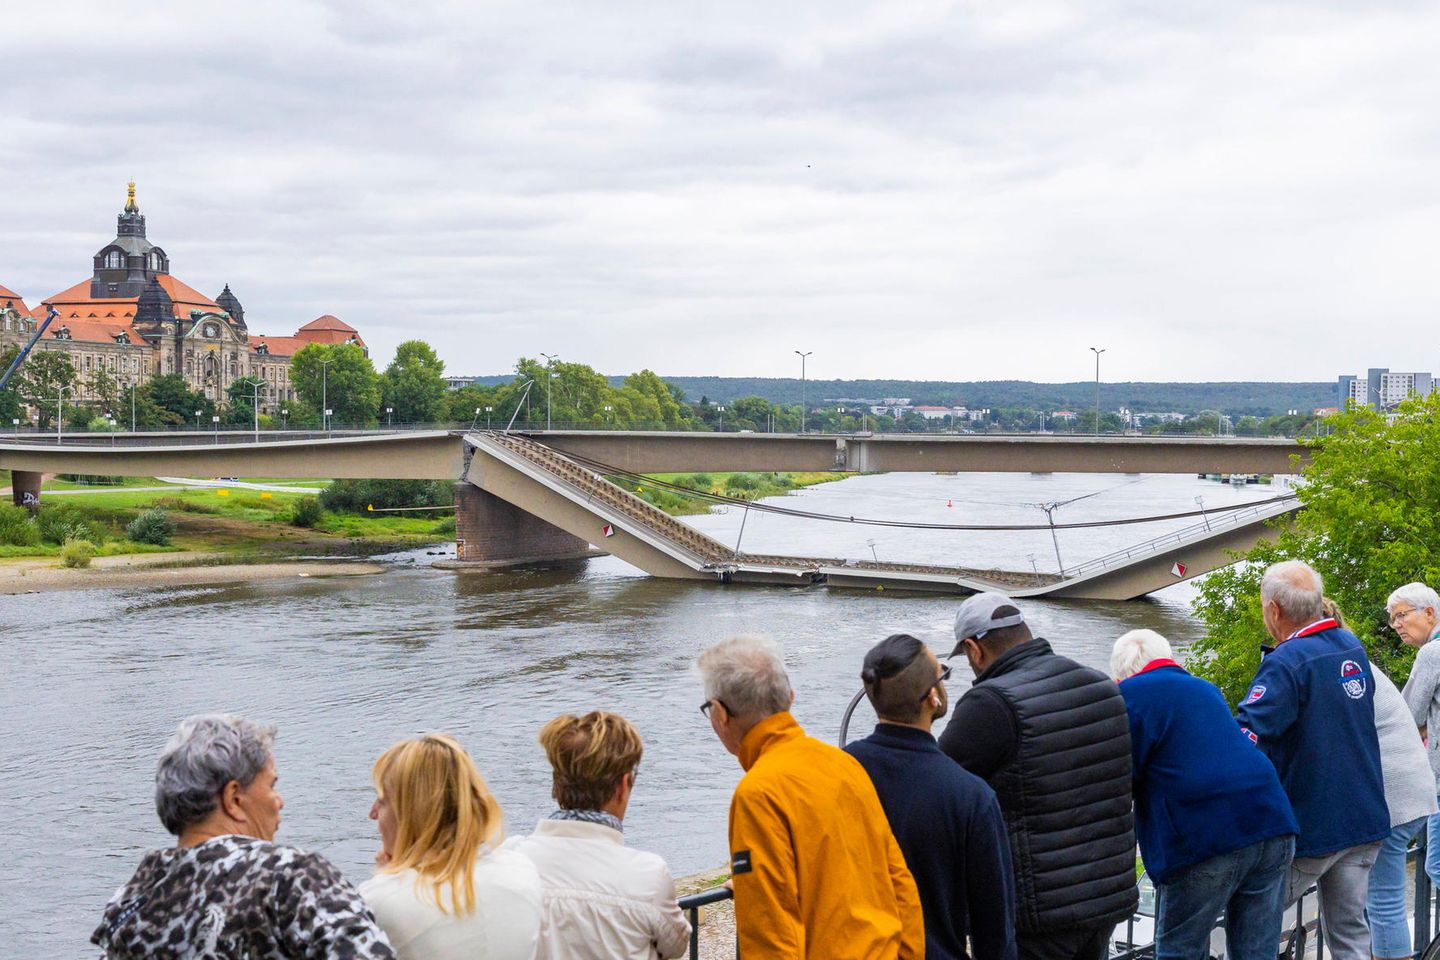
1414, 611
226, 889
1216, 836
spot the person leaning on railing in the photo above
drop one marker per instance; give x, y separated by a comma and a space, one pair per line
442, 890
815, 869
1414, 611
226, 890
1311, 710
602, 899
1215, 827
946, 820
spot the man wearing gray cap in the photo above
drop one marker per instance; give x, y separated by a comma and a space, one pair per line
1052, 738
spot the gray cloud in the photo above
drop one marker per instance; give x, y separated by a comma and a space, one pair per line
1213, 191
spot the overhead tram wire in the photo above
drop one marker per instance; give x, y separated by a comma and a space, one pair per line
612, 471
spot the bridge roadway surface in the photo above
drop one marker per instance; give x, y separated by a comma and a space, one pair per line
550, 486
439, 454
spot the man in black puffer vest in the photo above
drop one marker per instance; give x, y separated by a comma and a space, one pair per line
1053, 741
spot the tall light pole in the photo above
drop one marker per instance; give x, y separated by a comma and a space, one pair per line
388, 412
549, 384
197, 421
1098, 351
721, 410
255, 407
132, 408
488, 411
59, 416
325, 391
802, 356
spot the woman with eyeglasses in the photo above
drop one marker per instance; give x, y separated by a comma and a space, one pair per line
444, 891
1414, 611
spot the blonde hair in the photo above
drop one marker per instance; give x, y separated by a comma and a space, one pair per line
444, 812
588, 756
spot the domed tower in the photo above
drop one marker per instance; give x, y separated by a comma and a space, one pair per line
231, 305
127, 264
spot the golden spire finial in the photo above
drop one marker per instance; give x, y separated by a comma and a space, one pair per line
130, 206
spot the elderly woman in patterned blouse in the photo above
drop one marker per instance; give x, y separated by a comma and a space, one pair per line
226, 889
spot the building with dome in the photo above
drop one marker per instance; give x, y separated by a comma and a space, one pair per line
134, 320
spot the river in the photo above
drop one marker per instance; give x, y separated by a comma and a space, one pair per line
95, 681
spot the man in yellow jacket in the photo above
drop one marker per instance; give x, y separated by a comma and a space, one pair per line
816, 871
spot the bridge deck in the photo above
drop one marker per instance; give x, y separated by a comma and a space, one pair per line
656, 542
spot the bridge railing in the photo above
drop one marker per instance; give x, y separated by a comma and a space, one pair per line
1220, 520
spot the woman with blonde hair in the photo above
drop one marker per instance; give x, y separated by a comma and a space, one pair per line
444, 890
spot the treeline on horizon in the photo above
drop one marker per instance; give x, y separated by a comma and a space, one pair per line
1233, 398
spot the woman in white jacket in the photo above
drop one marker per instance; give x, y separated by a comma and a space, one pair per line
443, 892
603, 900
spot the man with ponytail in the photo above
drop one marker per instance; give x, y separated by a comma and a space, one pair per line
443, 890
602, 899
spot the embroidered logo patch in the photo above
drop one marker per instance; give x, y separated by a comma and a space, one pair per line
740, 862
1251, 736
1352, 679
1256, 692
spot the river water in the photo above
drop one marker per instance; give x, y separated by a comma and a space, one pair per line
94, 682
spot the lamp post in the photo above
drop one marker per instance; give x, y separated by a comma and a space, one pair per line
721, 410
609, 420
285, 418
215, 419
388, 412
802, 356
549, 384
325, 390
255, 406
132, 408
197, 421
488, 411
1097, 351
15, 422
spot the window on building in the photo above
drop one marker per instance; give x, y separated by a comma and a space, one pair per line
114, 260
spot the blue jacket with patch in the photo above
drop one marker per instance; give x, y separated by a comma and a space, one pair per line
1201, 790
1311, 709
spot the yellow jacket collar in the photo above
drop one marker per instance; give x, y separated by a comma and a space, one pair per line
775, 729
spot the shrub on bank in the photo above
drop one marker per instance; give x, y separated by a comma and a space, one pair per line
354, 496
61, 523
16, 527
306, 512
92, 479
186, 506
77, 553
153, 527
446, 526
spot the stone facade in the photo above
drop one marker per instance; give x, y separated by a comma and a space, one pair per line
133, 320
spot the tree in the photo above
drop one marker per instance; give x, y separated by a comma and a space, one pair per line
42, 377
460, 406
241, 409
174, 401
414, 384
670, 409
11, 406
104, 389
349, 384
1371, 522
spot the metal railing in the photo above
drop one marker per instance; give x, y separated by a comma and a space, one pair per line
1195, 531
1296, 935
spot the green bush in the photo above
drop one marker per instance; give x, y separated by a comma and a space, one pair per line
306, 512
61, 523
92, 479
354, 496
77, 553
742, 482
444, 526
185, 506
16, 527
153, 526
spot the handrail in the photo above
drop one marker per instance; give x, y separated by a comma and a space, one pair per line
691, 905
1229, 518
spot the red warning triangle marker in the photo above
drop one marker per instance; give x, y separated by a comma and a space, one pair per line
608, 530
1178, 570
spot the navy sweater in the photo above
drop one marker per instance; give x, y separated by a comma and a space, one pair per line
1201, 788
948, 824
1312, 711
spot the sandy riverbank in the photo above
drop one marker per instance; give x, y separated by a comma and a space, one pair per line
181, 568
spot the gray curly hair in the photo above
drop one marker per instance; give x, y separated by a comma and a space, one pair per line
207, 752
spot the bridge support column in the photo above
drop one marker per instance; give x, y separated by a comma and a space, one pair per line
25, 488
490, 532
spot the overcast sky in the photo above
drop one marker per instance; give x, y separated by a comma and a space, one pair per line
1209, 190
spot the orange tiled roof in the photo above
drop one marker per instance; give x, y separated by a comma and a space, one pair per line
94, 331
76, 302
278, 346
10, 296
328, 330
328, 322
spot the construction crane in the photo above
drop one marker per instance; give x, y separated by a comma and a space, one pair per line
25, 351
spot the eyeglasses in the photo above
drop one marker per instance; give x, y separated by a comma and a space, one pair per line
944, 675
705, 707
1397, 618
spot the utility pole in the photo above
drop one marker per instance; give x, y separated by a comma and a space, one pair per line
549, 385
255, 407
1098, 351
59, 416
325, 392
802, 356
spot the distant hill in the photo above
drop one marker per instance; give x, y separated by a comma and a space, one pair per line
1232, 398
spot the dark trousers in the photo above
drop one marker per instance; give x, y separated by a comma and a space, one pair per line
1090, 943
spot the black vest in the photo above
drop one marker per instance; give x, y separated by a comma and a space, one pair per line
1066, 794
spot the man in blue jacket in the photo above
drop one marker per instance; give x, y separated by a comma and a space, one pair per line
946, 820
1311, 710
1215, 827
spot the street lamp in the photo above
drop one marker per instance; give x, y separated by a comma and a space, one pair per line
549, 383
488, 411
197, 421
388, 411
721, 411
1097, 351
325, 390
15, 422
215, 419
285, 418
802, 356
255, 406
132, 408
609, 419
